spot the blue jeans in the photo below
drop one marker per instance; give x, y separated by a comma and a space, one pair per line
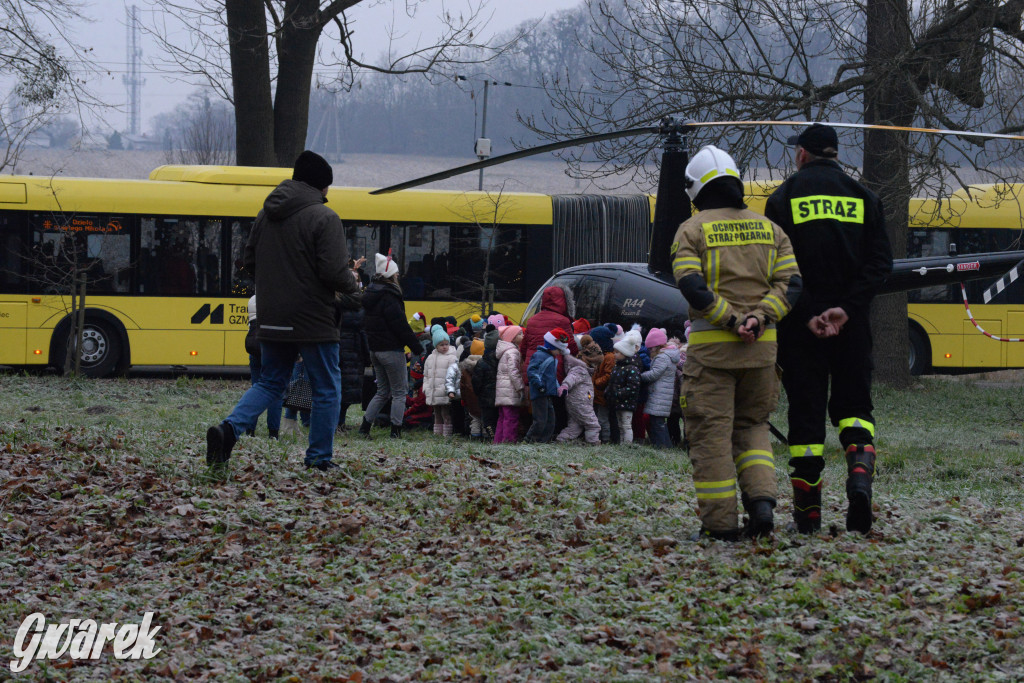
657, 430
543, 427
324, 373
274, 409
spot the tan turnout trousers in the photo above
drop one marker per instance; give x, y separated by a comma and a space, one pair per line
727, 414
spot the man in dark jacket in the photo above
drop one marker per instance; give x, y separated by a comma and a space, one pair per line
299, 258
838, 233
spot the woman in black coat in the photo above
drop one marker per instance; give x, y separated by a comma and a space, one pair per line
388, 335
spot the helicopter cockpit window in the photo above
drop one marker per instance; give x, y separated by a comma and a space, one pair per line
591, 293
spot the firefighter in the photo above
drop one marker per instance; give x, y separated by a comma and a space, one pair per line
738, 273
838, 233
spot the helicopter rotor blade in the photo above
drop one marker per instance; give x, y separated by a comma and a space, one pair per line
672, 126
520, 154
858, 126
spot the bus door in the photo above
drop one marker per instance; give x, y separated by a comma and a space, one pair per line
13, 251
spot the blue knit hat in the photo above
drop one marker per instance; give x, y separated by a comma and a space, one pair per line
602, 336
438, 335
476, 322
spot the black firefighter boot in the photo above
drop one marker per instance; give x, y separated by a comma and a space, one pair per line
364, 428
806, 505
760, 516
860, 470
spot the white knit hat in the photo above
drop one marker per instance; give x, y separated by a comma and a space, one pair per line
386, 265
625, 347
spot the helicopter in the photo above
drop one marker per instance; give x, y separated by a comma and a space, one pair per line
646, 293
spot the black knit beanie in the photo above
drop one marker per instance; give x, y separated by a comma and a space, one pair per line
313, 169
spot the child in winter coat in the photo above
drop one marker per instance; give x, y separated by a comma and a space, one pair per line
661, 383
435, 372
469, 399
485, 379
623, 388
602, 336
578, 390
542, 372
675, 417
508, 391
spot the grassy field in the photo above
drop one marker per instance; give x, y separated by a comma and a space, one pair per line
432, 560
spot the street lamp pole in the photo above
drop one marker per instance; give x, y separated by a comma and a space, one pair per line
483, 145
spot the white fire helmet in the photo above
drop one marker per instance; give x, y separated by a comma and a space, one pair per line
706, 165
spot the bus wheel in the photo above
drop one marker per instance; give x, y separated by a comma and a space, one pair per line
920, 352
101, 349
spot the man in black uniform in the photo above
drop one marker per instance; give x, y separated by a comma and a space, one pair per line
838, 233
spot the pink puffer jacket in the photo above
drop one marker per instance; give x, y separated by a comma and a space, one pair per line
579, 401
434, 371
509, 389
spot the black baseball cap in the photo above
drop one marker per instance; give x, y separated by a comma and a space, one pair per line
818, 139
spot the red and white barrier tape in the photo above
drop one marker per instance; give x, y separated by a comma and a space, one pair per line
963, 292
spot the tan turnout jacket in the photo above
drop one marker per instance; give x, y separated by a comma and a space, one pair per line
747, 262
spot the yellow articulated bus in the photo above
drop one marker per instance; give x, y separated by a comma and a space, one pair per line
162, 259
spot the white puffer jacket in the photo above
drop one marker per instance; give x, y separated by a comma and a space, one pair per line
509, 388
435, 371
661, 379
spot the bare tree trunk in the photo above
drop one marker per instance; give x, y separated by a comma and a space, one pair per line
80, 327
70, 348
887, 172
297, 55
250, 68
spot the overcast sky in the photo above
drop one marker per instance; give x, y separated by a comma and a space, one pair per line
107, 35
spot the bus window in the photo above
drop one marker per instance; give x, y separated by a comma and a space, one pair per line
498, 250
363, 241
167, 256
66, 244
109, 254
208, 259
923, 243
13, 251
421, 252
241, 281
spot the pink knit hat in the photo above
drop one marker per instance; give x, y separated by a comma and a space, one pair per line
509, 333
496, 319
656, 337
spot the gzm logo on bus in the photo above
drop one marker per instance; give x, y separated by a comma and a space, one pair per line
239, 315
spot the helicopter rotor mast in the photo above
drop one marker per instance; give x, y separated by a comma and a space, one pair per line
672, 206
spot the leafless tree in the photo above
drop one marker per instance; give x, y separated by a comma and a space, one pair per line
260, 55
935, 63
484, 243
204, 132
47, 67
